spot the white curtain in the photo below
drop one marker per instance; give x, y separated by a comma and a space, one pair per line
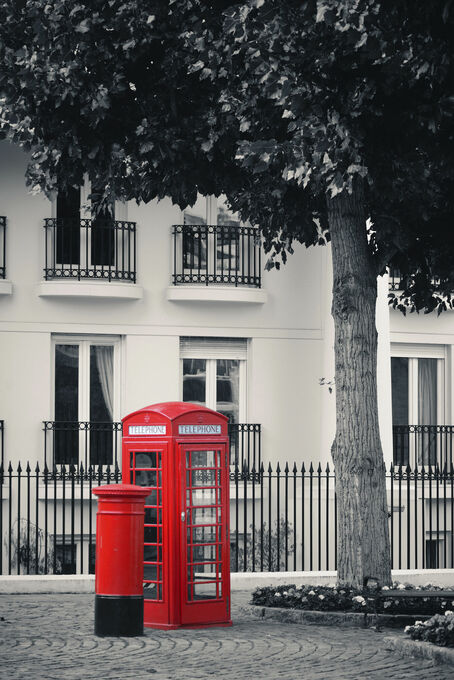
104, 364
427, 409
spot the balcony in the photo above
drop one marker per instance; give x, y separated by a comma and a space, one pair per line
428, 445
224, 260
92, 251
75, 442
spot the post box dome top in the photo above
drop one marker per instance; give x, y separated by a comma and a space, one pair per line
174, 409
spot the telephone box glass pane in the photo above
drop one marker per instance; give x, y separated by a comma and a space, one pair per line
146, 470
204, 524
204, 478
205, 534
146, 478
204, 497
205, 591
146, 460
204, 516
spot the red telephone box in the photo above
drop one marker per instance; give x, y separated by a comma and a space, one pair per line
180, 452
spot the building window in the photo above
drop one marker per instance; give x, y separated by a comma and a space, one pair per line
85, 399
66, 558
68, 226
213, 246
83, 244
418, 398
213, 374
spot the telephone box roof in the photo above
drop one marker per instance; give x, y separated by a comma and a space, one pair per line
173, 410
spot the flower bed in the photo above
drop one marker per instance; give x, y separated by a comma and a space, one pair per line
344, 599
439, 630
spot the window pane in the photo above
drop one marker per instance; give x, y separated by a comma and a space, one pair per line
228, 388
66, 439
68, 226
194, 381
66, 382
399, 379
195, 248
102, 231
227, 216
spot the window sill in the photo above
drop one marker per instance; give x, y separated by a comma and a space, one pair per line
6, 287
99, 289
194, 293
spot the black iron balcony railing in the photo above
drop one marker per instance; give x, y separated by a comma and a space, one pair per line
2, 247
90, 249
89, 443
418, 445
216, 255
394, 279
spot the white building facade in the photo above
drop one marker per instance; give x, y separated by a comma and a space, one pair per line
162, 305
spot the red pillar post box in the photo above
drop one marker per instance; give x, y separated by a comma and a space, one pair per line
179, 451
119, 560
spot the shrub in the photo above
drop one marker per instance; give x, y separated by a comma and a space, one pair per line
31, 545
273, 560
345, 599
439, 630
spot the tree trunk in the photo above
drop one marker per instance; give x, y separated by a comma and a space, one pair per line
363, 539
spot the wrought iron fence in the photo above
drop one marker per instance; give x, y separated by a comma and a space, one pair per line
245, 444
68, 443
90, 249
423, 445
281, 518
2, 247
211, 255
48, 516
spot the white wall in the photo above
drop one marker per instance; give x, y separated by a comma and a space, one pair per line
25, 393
284, 396
150, 370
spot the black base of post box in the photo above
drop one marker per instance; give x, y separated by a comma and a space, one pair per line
118, 615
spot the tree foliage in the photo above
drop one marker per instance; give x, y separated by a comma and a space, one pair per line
277, 103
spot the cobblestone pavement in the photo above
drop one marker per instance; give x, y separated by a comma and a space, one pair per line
50, 637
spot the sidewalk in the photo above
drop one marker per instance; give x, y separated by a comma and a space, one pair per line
50, 637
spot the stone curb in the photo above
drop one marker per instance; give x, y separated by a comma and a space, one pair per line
239, 581
345, 619
417, 649
46, 583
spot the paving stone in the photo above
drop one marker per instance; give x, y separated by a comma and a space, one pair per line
50, 637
